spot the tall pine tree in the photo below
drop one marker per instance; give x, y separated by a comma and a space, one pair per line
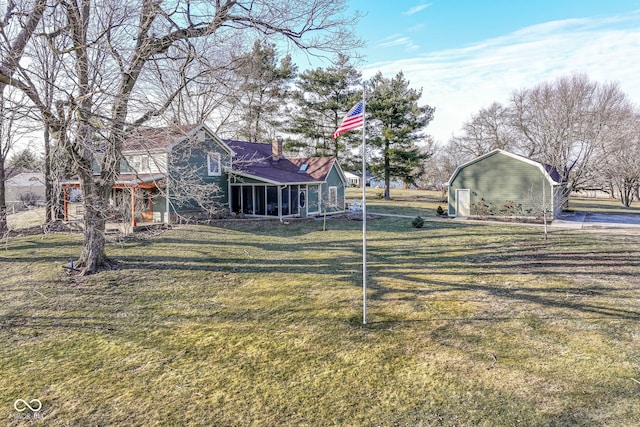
263, 91
396, 124
322, 97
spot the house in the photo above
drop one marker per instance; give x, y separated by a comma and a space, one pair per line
354, 180
178, 172
500, 183
25, 187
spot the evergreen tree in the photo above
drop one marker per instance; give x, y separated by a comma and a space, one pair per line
25, 159
322, 97
263, 91
395, 124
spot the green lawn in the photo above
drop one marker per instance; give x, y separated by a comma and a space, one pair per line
260, 323
602, 205
404, 202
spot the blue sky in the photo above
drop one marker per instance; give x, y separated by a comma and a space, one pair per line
467, 54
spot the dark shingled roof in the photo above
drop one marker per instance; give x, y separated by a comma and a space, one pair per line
553, 173
255, 159
157, 138
251, 158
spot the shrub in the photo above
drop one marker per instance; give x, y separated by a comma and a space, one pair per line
511, 209
417, 222
482, 209
440, 211
30, 199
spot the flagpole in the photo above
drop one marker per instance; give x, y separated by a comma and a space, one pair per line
364, 213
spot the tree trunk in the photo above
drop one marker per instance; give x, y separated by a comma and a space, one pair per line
626, 193
566, 194
387, 174
48, 186
3, 202
93, 257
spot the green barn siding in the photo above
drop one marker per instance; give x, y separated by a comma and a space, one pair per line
499, 179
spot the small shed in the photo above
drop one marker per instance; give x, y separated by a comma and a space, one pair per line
500, 183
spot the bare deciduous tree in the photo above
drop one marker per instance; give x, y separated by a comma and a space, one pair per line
565, 122
17, 25
487, 130
439, 167
616, 163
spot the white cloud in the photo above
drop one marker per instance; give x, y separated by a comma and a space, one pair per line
458, 82
398, 40
416, 9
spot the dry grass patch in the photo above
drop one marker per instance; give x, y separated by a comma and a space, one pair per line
254, 323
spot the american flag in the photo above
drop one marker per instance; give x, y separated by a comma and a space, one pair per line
353, 120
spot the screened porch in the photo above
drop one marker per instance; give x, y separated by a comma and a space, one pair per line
273, 200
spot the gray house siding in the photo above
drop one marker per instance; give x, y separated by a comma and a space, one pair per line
502, 184
334, 180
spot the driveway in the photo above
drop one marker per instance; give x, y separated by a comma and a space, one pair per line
584, 219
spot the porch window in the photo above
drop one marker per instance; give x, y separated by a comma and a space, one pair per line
285, 201
259, 197
272, 200
213, 164
247, 199
313, 199
236, 199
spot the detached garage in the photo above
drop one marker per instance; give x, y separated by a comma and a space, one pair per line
500, 183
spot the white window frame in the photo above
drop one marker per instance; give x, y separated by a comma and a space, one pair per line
332, 196
214, 164
134, 163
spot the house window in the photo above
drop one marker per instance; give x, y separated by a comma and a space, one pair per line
333, 196
135, 163
213, 164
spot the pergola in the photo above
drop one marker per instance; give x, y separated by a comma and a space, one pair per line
131, 183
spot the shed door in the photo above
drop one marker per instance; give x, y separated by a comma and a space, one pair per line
463, 202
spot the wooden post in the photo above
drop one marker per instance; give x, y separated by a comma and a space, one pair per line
65, 201
133, 206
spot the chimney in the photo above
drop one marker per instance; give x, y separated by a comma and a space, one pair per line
276, 149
